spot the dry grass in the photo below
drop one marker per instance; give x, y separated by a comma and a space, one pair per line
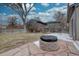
12, 40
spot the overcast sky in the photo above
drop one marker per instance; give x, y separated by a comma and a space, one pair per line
44, 10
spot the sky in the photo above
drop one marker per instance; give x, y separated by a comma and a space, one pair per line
46, 10
43, 10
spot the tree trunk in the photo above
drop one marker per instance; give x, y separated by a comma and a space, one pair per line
24, 24
25, 29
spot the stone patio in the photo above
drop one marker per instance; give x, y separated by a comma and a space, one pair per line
31, 49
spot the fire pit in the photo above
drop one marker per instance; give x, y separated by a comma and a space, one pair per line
48, 43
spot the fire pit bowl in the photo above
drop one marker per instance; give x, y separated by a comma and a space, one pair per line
48, 43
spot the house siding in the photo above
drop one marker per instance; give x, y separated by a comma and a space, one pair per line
74, 24
72, 29
77, 23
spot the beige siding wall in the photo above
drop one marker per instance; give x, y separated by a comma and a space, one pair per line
77, 23
72, 26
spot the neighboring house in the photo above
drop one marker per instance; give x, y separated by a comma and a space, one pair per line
17, 26
73, 19
54, 26
2, 27
39, 26
35, 26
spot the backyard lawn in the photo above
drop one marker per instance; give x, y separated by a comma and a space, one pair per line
12, 40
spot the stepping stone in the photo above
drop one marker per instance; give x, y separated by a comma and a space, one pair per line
49, 54
23, 51
61, 52
10, 52
70, 54
40, 54
35, 50
72, 48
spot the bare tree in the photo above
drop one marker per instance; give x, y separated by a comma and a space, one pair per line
58, 15
62, 18
22, 9
12, 21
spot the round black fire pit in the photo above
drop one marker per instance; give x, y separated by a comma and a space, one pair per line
48, 38
48, 43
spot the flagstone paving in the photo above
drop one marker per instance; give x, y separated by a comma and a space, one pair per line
65, 49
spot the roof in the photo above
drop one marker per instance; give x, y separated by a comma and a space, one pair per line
44, 23
53, 22
37, 21
74, 4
